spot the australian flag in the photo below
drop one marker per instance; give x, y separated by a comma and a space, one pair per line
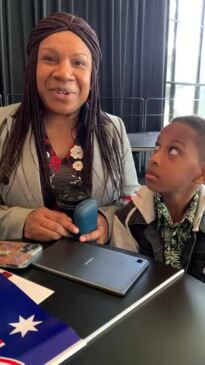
29, 335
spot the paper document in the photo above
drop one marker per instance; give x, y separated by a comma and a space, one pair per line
36, 292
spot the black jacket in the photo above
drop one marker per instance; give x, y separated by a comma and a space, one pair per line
135, 229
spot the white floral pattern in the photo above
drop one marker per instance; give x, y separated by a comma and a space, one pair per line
76, 152
78, 165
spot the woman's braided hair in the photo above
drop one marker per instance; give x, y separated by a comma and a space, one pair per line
91, 119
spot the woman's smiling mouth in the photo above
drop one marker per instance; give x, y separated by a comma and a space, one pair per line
63, 94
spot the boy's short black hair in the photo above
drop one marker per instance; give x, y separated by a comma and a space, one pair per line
198, 125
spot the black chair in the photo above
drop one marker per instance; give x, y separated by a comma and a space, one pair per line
13, 98
130, 109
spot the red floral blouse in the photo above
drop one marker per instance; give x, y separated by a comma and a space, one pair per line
66, 171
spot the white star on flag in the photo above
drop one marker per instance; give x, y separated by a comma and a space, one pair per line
24, 325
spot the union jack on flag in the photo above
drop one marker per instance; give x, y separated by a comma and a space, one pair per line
7, 361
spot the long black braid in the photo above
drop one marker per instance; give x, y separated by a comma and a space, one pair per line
91, 120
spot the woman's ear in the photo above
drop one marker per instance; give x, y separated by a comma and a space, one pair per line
201, 178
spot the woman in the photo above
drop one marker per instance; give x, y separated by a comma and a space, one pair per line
58, 135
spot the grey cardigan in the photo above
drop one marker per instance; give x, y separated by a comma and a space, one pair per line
23, 192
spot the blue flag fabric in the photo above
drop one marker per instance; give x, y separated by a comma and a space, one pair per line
29, 335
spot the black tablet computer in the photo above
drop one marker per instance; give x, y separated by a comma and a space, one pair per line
94, 265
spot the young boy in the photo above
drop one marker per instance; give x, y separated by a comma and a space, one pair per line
166, 219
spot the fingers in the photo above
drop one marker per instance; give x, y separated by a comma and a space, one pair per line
96, 235
100, 234
53, 226
42, 234
63, 220
45, 225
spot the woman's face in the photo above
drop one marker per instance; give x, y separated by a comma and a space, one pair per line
63, 73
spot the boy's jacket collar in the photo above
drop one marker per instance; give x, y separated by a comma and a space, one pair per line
144, 201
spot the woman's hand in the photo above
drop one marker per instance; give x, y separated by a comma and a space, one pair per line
100, 234
46, 225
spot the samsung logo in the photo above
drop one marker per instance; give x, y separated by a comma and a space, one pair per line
89, 261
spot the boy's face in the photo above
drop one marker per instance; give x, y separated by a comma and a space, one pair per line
175, 165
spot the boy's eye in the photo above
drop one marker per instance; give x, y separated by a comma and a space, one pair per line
156, 148
173, 151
